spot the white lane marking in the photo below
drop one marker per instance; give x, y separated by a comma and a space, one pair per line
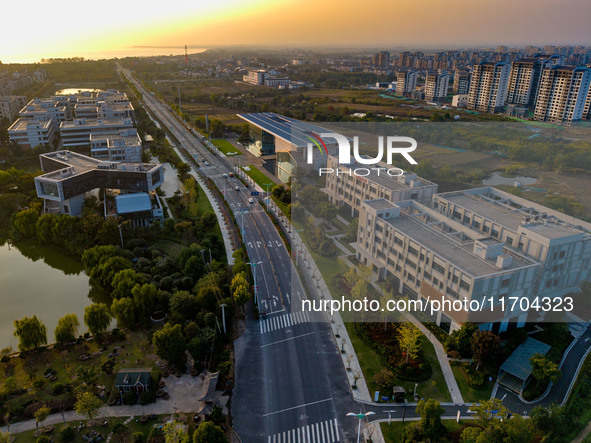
287, 339
298, 407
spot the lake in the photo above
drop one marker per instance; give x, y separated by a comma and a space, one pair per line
41, 280
71, 91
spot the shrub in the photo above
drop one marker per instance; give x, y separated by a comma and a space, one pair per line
138, 437
217, 416
475, 379
119, 428
58, 389
67, 434
43, 439
130, 398
147, 397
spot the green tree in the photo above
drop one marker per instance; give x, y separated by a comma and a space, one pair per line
87, 404
67, 328
104, 273
543, 369
144, 297
31, 333
174, 433
409, 339
485, 345
94, 256
470, 434
489, 410
461, 339
207, 432
4, 437
430, 424
25, 222
201, 343
169, 343
124, 311
384, 379
124, 281
41, 415
185, 304
97, 317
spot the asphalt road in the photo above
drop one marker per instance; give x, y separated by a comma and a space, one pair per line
290, 382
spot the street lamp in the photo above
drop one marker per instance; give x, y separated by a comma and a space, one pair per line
254, 277
360, 416
267, 196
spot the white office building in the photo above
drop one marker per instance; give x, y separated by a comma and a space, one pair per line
76, 133
123, 146
345, 188
430, 257
559, 242
28, 133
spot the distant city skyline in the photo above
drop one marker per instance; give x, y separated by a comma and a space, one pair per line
122, 27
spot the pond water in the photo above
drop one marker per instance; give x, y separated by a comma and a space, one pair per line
70, 91
41, 280
497, 179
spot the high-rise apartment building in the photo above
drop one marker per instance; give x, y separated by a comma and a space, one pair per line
563, 94
462, 82
406, 82
524, 81
488, 86
436, 86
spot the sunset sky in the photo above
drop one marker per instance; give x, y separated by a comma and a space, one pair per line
66, 28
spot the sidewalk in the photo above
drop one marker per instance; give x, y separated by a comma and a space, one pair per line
448, 375
179, 402
450, 379
216, 208
308, 265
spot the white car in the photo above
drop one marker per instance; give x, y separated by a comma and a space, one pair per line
251, 201
206, 163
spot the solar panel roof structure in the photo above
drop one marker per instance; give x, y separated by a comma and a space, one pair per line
291, 130
518, 363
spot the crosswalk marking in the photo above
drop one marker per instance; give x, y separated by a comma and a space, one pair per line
322, 432
283, 321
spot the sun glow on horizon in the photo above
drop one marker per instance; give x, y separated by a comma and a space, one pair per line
43, 29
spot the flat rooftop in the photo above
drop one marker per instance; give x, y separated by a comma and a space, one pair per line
379, 204
512, 219
514, 212
457, 247
114, 138
289, 129
81, 123
22, 124
79, 164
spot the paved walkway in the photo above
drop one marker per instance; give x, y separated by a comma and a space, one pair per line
186, 394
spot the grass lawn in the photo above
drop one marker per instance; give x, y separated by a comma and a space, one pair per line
226, 147
393, 432
27, 372
261, 179
282, 206
371, 364
470, 394
135, 425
